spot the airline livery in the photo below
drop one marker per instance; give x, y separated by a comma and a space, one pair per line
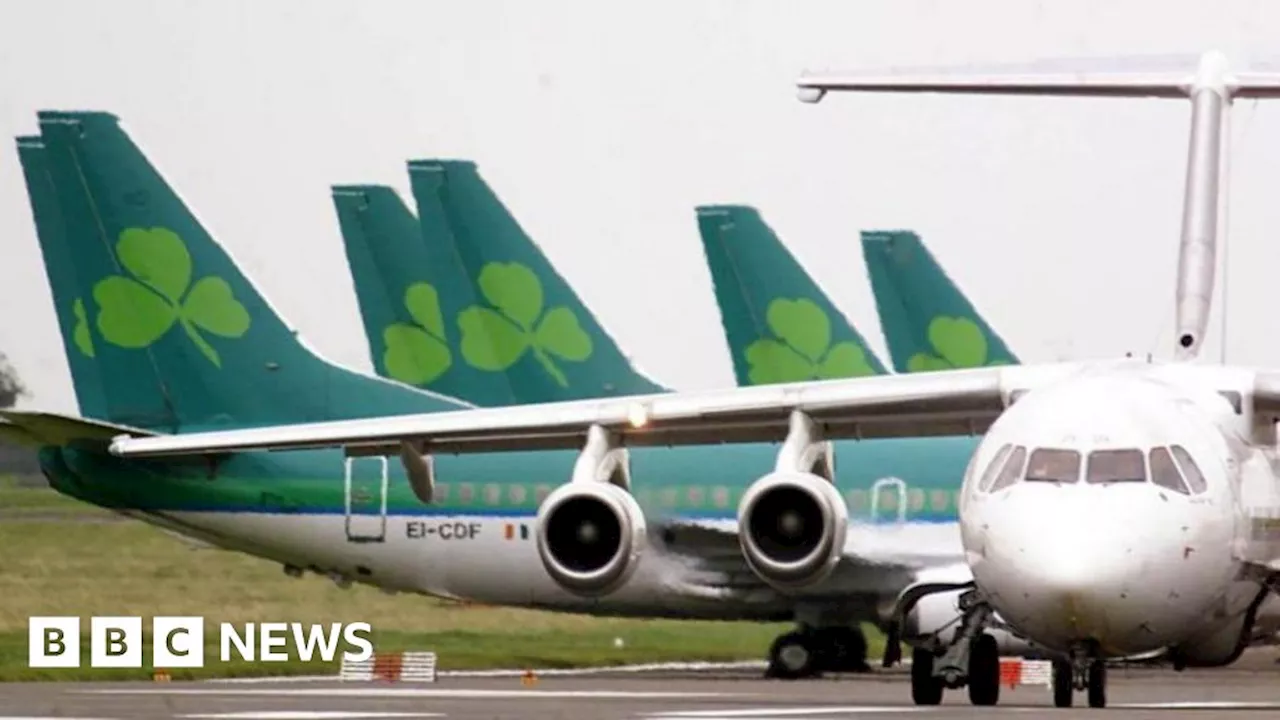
1110, 508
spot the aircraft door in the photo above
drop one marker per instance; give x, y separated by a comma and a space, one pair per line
366, 499
889, 501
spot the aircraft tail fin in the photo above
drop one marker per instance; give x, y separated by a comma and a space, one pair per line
780, 325
927, 321
516, 318
411, 292
166, 333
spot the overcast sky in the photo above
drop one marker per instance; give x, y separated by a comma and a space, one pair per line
602, 124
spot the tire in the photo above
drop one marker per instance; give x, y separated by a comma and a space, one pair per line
984, 671
1097, 684
844, 650
1063, 684
794, 655
925, 688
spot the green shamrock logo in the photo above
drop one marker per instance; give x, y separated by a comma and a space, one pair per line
495, 338
958, 342
134, 312
802, 349
418, 354
80, 333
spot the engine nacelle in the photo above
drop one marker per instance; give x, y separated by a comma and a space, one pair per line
590, 536
939, 614
792, 528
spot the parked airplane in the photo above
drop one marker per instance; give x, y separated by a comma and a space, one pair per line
927, 321
165, 335
1112, 507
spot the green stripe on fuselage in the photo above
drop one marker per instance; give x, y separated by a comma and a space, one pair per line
701, 482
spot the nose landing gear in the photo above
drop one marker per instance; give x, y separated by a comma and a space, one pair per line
972, 659
1084, 670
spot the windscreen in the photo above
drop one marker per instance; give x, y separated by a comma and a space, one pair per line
1052, 465
1116, 466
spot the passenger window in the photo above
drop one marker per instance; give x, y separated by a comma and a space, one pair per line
1012, 471
994, 468
1114, 466
1165, 473
1195, 479
1056, 466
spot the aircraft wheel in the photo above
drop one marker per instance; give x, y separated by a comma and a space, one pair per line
984, 671
1097, 683
845, 650
925, 688
1063, 683
795, 655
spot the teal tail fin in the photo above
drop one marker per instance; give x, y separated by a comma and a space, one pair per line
512, 313
404, 286
780, 325
60, 268
180, 338
928, 322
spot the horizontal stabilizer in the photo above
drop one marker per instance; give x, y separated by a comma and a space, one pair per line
1096, 77
43, 428
10, 433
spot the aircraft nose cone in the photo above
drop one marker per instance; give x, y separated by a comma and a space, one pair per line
1064, 570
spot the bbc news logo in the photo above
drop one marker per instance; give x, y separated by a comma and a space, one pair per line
178, 642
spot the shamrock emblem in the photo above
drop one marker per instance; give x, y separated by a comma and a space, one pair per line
957, 342
494, 338
80, 333
417, 353
136, 311
802, 349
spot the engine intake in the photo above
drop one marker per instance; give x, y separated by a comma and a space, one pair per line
792, 528
590, 536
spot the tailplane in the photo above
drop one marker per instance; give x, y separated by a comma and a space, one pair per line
780, 326
165, 332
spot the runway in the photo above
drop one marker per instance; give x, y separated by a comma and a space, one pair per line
1134, 693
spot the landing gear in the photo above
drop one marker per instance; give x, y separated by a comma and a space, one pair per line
810, 651
794, 655
972, 659
1084, 671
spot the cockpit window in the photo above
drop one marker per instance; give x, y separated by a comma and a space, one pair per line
1114, 466
994, 468
1056, 466
1165, 473
1012, 470
1195, 479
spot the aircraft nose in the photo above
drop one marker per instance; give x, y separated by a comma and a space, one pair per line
1067, 572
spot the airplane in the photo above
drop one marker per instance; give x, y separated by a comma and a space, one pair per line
384, 249
1110, 508
779, 324
927, 321
502, 325
165, 335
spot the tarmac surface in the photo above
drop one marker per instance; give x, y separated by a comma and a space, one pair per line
1240, 692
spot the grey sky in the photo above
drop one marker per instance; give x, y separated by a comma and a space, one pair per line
602, 124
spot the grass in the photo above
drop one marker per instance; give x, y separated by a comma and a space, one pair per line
72, 567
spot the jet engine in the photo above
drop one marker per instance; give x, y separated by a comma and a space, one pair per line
590, 536
792, 528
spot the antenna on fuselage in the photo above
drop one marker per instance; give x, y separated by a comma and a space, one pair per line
1211, 88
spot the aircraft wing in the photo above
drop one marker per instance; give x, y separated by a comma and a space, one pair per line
954, 402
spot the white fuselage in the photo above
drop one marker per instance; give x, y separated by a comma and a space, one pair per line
1129, 566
